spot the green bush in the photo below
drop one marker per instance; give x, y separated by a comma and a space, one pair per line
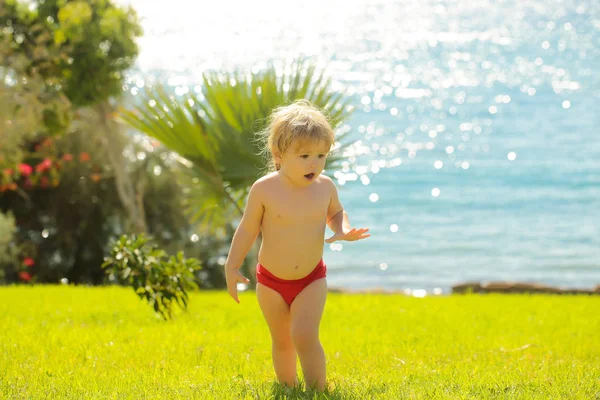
67, 228
159, 279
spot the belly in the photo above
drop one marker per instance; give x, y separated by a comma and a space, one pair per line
290, 253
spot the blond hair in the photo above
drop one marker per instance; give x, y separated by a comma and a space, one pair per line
294, 124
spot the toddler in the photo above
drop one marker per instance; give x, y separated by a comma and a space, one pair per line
291, 207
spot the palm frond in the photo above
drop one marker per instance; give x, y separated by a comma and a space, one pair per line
216, 130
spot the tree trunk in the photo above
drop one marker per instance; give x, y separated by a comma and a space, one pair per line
131, 196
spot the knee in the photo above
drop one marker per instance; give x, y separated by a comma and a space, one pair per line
305, 339
282, 343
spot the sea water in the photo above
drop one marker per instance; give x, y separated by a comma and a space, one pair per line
474, 151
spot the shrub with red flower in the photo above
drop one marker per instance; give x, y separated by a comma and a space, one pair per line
25, 169
44, 165
25, 276
28, 262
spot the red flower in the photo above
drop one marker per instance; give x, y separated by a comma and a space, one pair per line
67, 157
28, 262
8, 171
44, 165
84, 157
96, 177
25, 276
25, 169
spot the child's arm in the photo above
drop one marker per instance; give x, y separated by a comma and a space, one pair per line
244, 237
337, 218
338, 222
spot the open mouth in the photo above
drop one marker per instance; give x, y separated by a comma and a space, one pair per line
310, 176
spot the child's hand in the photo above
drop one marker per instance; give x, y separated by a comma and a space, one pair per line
233, 276
349, 235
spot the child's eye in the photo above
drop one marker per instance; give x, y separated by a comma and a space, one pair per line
304, 156
321, 155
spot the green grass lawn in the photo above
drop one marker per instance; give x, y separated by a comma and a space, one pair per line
105, 343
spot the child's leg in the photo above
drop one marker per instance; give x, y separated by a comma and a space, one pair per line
277, 314
306, 310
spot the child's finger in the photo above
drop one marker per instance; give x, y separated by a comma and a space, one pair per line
241, 278
233, 293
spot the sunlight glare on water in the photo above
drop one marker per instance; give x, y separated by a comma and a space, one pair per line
447, 94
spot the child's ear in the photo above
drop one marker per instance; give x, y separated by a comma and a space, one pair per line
277, 157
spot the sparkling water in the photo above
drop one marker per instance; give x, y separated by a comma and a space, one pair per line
475, 149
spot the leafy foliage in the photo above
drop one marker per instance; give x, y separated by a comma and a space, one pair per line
215, 131
83, 47
58, 55
66, 227
161, 280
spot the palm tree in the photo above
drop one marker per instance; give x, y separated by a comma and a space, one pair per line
213, 132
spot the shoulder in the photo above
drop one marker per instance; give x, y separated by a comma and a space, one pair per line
264, 183
327, 182
267, 180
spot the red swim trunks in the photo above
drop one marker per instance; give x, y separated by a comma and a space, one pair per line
289, 289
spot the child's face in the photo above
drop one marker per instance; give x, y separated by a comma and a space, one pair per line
303, 162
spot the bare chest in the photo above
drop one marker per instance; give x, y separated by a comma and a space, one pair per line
297, 208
